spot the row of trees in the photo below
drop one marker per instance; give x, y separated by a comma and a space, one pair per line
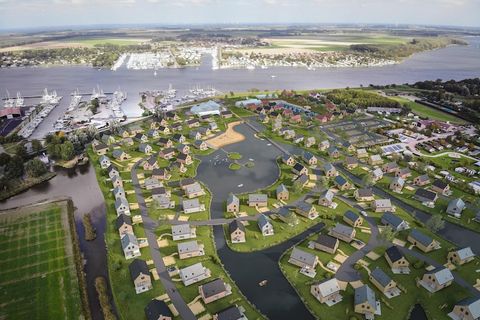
361, 98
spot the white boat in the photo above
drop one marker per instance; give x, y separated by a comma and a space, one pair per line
19, 102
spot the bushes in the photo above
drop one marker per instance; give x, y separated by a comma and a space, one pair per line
101, 287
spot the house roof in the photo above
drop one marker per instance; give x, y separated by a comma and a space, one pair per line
377, 172
198, 143
351, 160
327, 241
328, 166
111, 168
156, 308
190, 204
121, 201
365, 294
179, 229
380, 276
423, 177
383, 203
365, 192
394, 254
456, 204
117, 153
420, 237
118, 190
183, 156
298, 167
302, 180
440, 184
281, 188
158, 191
391, 219
127, 239
230, 313
263, 221
304, 206
343, 229
286, 157
339, 180
137, 267
350, 215
442, 275
213, 287
232, 199
327, 194
473, 306
103, 158
193, 188
308, 155
465, 253
398, 180
303, 256
121, 220
186, 182
192, 271
151, 160
425, 194
328, 287
158, 172
234, 225
257, 197
189, 246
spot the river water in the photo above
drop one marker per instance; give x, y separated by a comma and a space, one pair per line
456, 62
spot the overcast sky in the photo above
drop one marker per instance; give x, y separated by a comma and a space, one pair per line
37, 13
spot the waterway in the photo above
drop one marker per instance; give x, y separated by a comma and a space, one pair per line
455, 62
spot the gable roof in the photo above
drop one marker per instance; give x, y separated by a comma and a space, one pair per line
230, 313
298, 167
465, 253
123, 219
189, 246
442, 275
128, 239
394, 254
440, 184
234, 225
213, 287
364, 294
281, 188
190, 204
327, 241
340, 180
380, 276
328, 287
352, 216
156, 308
303, 256
192, 271
137, 267
257, 197
456, 204
343, 229
391, 219
304, 206
263, 221
327, 194
473, 306
232, 199
425, 194
420, 237
365, 192
179, 229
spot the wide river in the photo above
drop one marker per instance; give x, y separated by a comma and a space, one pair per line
456, 62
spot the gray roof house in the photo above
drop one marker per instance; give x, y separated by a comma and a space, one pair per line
192, 206
158, 309
183, 231
422, 241
437, 279
190, 249
140, 275
265, 225
257, 199
365, 302
122, 206
303, 259
327, 291
343, 232
214, 290
194, 273
468, 308
394, 221
455, 207
461, 256
233, 203
130, 246
104, 161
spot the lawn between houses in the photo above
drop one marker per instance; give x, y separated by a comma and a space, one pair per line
38, 264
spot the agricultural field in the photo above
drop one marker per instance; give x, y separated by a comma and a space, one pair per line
424, 111
37, 267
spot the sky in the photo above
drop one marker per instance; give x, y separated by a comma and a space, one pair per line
16, 14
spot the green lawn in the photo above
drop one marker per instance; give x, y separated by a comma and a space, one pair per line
38, 275
103, 41
234, 166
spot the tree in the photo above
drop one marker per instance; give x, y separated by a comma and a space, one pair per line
35, 168
36, 145
323, 182
67, 151
4, 158
386, 235
14, 168
367, 180
20, 151
435, 223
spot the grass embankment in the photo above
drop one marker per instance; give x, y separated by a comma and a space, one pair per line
234, 166
40, 264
